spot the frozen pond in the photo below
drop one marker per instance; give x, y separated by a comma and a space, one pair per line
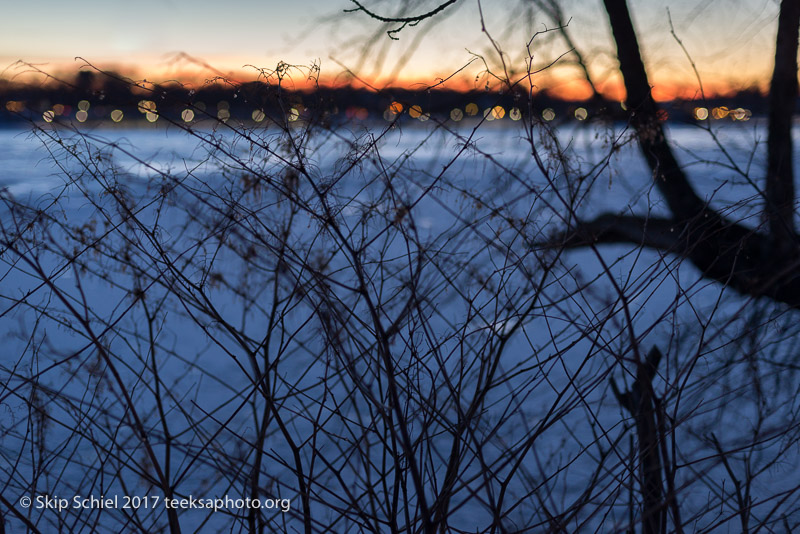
362, 321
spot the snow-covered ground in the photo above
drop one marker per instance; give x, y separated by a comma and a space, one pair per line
223, 282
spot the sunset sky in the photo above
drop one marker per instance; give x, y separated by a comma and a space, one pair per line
731, 41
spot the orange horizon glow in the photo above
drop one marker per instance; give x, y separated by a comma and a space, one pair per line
197, 73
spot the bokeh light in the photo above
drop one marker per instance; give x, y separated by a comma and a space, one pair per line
15, 106
701, 114
146, 106
741, 114
720, 112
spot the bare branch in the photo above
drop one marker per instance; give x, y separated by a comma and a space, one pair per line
783, 94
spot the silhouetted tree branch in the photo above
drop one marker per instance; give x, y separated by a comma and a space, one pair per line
386, 323
780, 191
412, 20
640, 402
726, 251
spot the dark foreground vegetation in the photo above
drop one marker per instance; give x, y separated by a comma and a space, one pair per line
404, 329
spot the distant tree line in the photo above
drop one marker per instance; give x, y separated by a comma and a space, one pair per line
112, 91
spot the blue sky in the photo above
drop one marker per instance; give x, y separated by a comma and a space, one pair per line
118, 29
730, 40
